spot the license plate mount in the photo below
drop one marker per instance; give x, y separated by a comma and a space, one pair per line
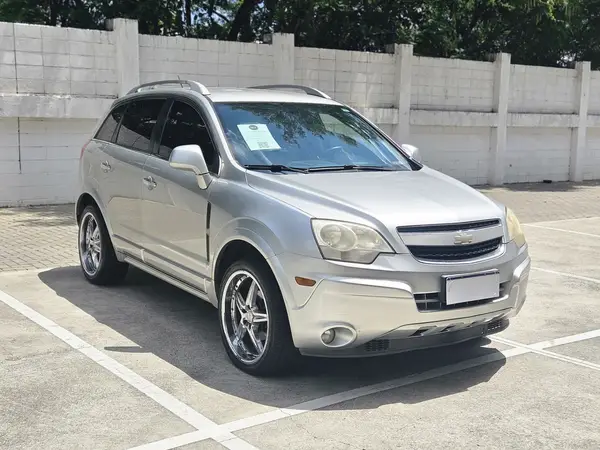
464, 288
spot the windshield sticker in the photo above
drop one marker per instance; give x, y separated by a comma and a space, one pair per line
258, 137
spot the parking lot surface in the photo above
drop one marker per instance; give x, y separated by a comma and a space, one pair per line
142, 366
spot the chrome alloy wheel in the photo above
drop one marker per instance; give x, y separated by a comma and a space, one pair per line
245, 317
90, 245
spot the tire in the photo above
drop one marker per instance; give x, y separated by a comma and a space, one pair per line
279, 355
104, 269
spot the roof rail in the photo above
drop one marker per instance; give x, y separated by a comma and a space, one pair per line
309, 90
194, 86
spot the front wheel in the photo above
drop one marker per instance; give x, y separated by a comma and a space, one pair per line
253, 320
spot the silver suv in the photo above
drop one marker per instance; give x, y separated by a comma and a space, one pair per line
308, 228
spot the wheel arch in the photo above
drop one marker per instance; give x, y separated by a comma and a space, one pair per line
87, 199
246, 245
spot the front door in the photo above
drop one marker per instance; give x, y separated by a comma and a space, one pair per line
174, 208
127, 157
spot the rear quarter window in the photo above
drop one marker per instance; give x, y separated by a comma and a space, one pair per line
108, 128
136, 127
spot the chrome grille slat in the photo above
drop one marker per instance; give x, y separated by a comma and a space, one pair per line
464, 226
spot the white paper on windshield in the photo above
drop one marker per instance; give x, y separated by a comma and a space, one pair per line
258, 137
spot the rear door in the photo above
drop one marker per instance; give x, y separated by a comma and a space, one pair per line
98, 156
133, 144
174, 208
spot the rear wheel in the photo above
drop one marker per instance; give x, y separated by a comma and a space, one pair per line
253, 320
96, 254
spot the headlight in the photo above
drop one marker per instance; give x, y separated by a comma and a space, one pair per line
349, 242
515, 232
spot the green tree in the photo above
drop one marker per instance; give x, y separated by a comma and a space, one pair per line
543, 32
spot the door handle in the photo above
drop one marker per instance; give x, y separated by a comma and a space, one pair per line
149, 182
105, 166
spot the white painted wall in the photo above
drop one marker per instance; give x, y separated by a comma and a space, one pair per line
480, 122
461, 152
452, 84
535, 154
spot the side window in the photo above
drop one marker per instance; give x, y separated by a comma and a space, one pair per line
137, 125
185, 126
107, 130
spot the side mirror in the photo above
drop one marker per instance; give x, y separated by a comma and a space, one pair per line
412, 151
190, 159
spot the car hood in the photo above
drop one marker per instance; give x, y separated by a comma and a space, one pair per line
391, 198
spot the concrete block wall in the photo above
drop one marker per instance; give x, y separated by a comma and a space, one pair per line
591, 169
359, 79
480, 122
50, 60
39, 159
452, 84
461, 152
542, 90
214, 63
594, 101
535, 154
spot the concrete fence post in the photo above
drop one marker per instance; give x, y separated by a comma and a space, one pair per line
283, 58
403, 86
499, 132
127, 53
579, 133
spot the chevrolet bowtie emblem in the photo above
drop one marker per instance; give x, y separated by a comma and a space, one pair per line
463, 238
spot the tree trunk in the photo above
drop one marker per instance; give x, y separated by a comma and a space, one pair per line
188, 17
242, 19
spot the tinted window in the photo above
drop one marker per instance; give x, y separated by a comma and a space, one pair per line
137, 125
185, 126
305, 136
107, 130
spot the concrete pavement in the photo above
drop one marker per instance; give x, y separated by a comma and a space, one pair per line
142, 364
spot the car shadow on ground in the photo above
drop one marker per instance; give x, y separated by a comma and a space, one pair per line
183, 331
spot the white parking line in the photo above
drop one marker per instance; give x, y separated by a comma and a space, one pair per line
282, 413
224, 433
560, 229
566, 340
553, 355
568, 275
163, 398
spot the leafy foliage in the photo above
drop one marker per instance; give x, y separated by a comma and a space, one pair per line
545, 32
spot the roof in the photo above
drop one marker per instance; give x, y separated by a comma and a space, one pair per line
269, 93
229, 95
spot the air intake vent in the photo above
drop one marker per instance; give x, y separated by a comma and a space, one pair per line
377, 345
430, 301
495, 326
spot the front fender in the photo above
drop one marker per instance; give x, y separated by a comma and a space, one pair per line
262, 239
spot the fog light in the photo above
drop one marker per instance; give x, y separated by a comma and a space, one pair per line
328, 336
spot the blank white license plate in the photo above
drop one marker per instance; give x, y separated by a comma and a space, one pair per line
472, 287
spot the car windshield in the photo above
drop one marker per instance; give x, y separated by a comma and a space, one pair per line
305, 136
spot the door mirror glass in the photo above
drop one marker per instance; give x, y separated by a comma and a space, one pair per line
412, 151
190, 158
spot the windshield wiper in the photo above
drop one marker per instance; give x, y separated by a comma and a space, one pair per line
275, 168
350, 167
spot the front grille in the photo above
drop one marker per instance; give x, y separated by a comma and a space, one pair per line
431, 301
377, 345
454, 252
449, 227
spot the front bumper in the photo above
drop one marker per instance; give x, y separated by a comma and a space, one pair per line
376, 304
